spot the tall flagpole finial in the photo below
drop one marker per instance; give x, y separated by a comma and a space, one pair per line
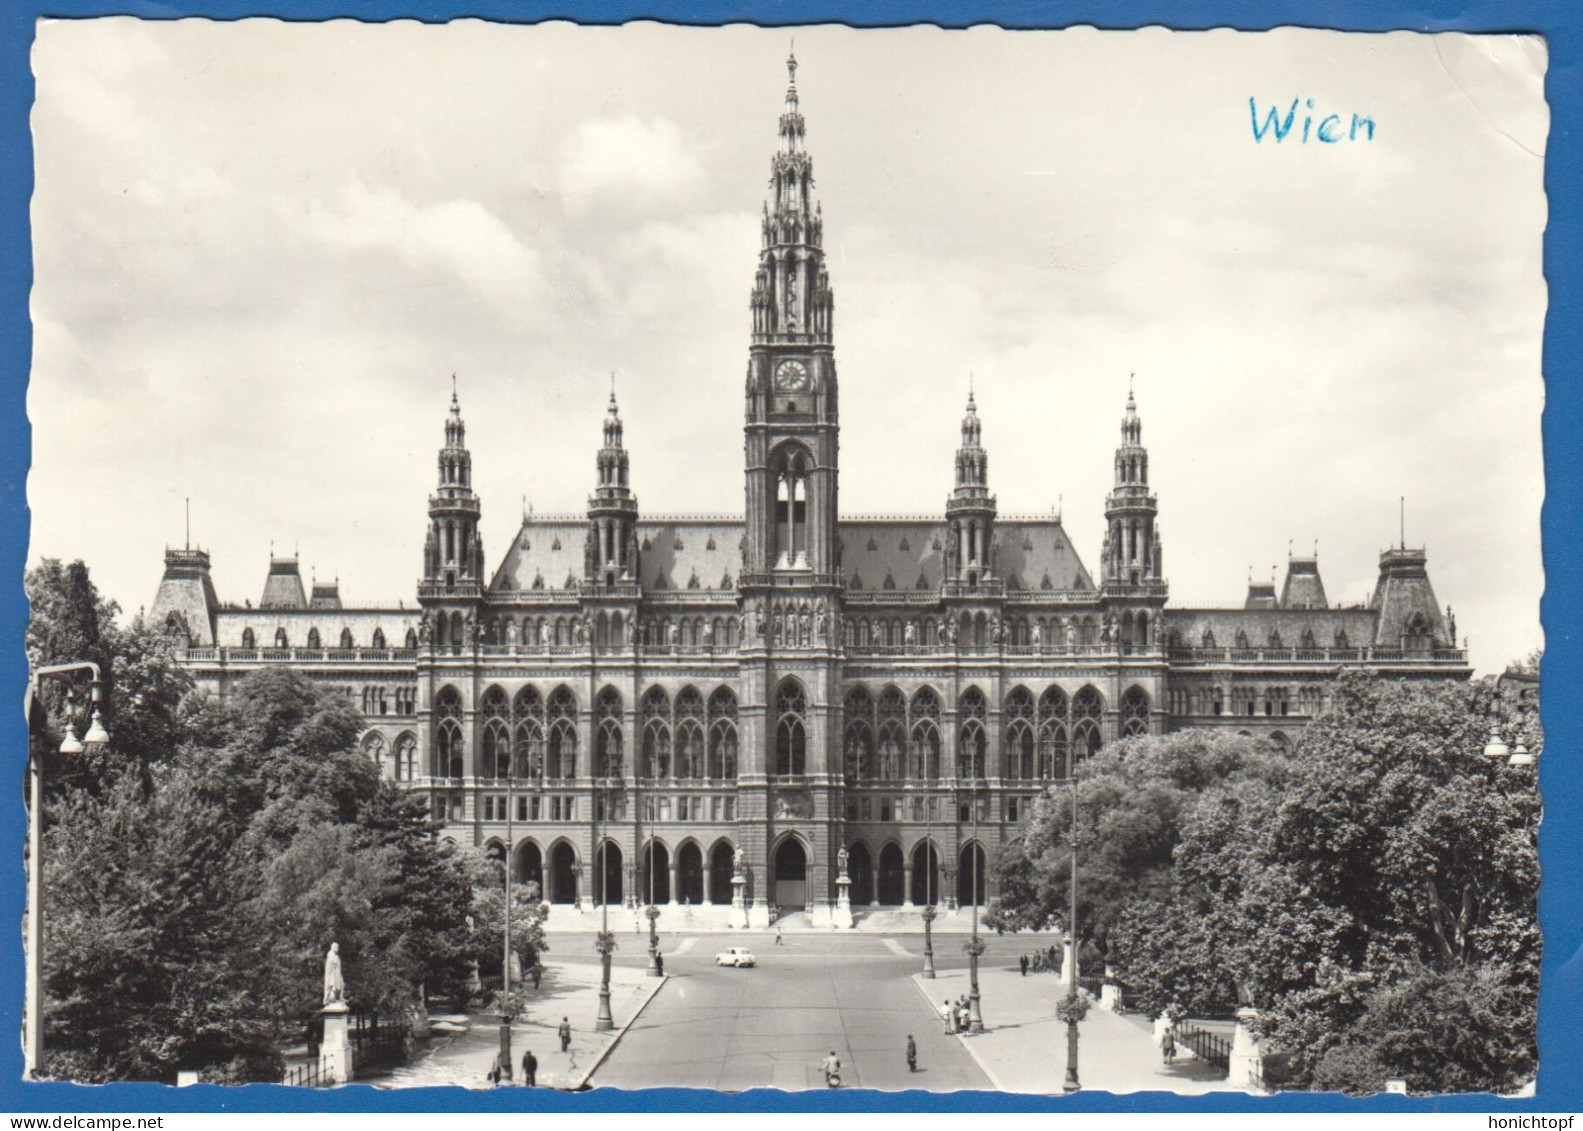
791, 62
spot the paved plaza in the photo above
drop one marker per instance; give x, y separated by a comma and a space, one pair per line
861, 994
769, 1027
463, 1046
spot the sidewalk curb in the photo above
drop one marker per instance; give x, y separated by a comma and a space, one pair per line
964, 1039
655, 986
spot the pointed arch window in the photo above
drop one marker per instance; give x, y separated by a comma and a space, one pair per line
495, 735
527, 734
892, 742
280, 639
248, 638
405, 763
924, 736
608, 761
791, 736
560, 762
448, 755
1088, 709
656, 734
378, 640
723, 735
412, 639
791, 470
1053, 734
857, 761
690, 719
971, 740
1134, 712
1019, 745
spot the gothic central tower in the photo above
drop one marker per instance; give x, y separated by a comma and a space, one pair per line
792, 441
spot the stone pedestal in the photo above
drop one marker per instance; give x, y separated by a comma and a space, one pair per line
335, 1053
842, 919
1246, 1066
1068, 965
1109, 996
739, 911
759, 915
820, 917
474, 982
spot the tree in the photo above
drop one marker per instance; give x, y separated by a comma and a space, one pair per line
528, 913
190, 906
1132, 799
1385, 852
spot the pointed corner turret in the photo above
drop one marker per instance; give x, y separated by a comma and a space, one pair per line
610, 556
970, 510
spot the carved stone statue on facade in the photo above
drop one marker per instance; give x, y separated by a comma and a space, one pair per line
806, 635
673, 635
1038, 636
334, 983
841, 860
950, 630
631, 631
994, 556
939, 633
739, 860
425, 628
544, 634
911, 635
470, 630
994, 630
1071, 633
709, 635
819, 624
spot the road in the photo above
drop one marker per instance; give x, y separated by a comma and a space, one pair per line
731, 1030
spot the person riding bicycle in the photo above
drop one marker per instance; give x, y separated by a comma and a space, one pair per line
831, 1067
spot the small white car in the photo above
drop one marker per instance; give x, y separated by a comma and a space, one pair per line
736, 956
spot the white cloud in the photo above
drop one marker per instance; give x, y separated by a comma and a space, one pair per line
460, 236
635, 164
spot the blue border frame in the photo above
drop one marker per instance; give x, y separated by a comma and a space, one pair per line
1560, 1085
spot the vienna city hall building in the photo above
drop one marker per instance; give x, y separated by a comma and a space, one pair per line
628, 700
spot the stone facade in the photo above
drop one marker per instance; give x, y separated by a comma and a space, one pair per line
789, 681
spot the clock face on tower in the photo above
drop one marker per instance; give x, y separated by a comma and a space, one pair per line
791, 377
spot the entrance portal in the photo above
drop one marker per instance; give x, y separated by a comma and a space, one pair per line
925, 874
970, 876
607, 873
563, 875
530, 868
791, 875
690, 874
860, 870
654, 873
720, 873
892, 876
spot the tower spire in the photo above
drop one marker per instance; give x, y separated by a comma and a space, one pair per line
611, 551
1132, 542
970, 510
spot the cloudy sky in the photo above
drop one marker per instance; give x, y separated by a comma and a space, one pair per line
262, 249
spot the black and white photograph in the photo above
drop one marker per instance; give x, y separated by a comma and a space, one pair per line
499, 621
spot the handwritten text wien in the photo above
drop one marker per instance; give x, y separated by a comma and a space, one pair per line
1329, 128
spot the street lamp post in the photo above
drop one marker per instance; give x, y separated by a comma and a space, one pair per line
928, 941
606, 943
976, 946
506, 1011
96, 736
1075, 1007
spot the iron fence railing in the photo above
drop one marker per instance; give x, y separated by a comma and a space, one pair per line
308, 1074
1207, 1045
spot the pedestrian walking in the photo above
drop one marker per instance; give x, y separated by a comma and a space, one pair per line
778, 940
530, 1069
659, 961
912, 1054
964, 1019
1024, 964
496, 1070
1168, 1046
948, 1015
565, 1032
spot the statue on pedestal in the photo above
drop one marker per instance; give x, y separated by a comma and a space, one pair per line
841, 860
334, 984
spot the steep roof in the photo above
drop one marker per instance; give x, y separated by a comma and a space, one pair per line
673, 552
910, 552
283, 586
